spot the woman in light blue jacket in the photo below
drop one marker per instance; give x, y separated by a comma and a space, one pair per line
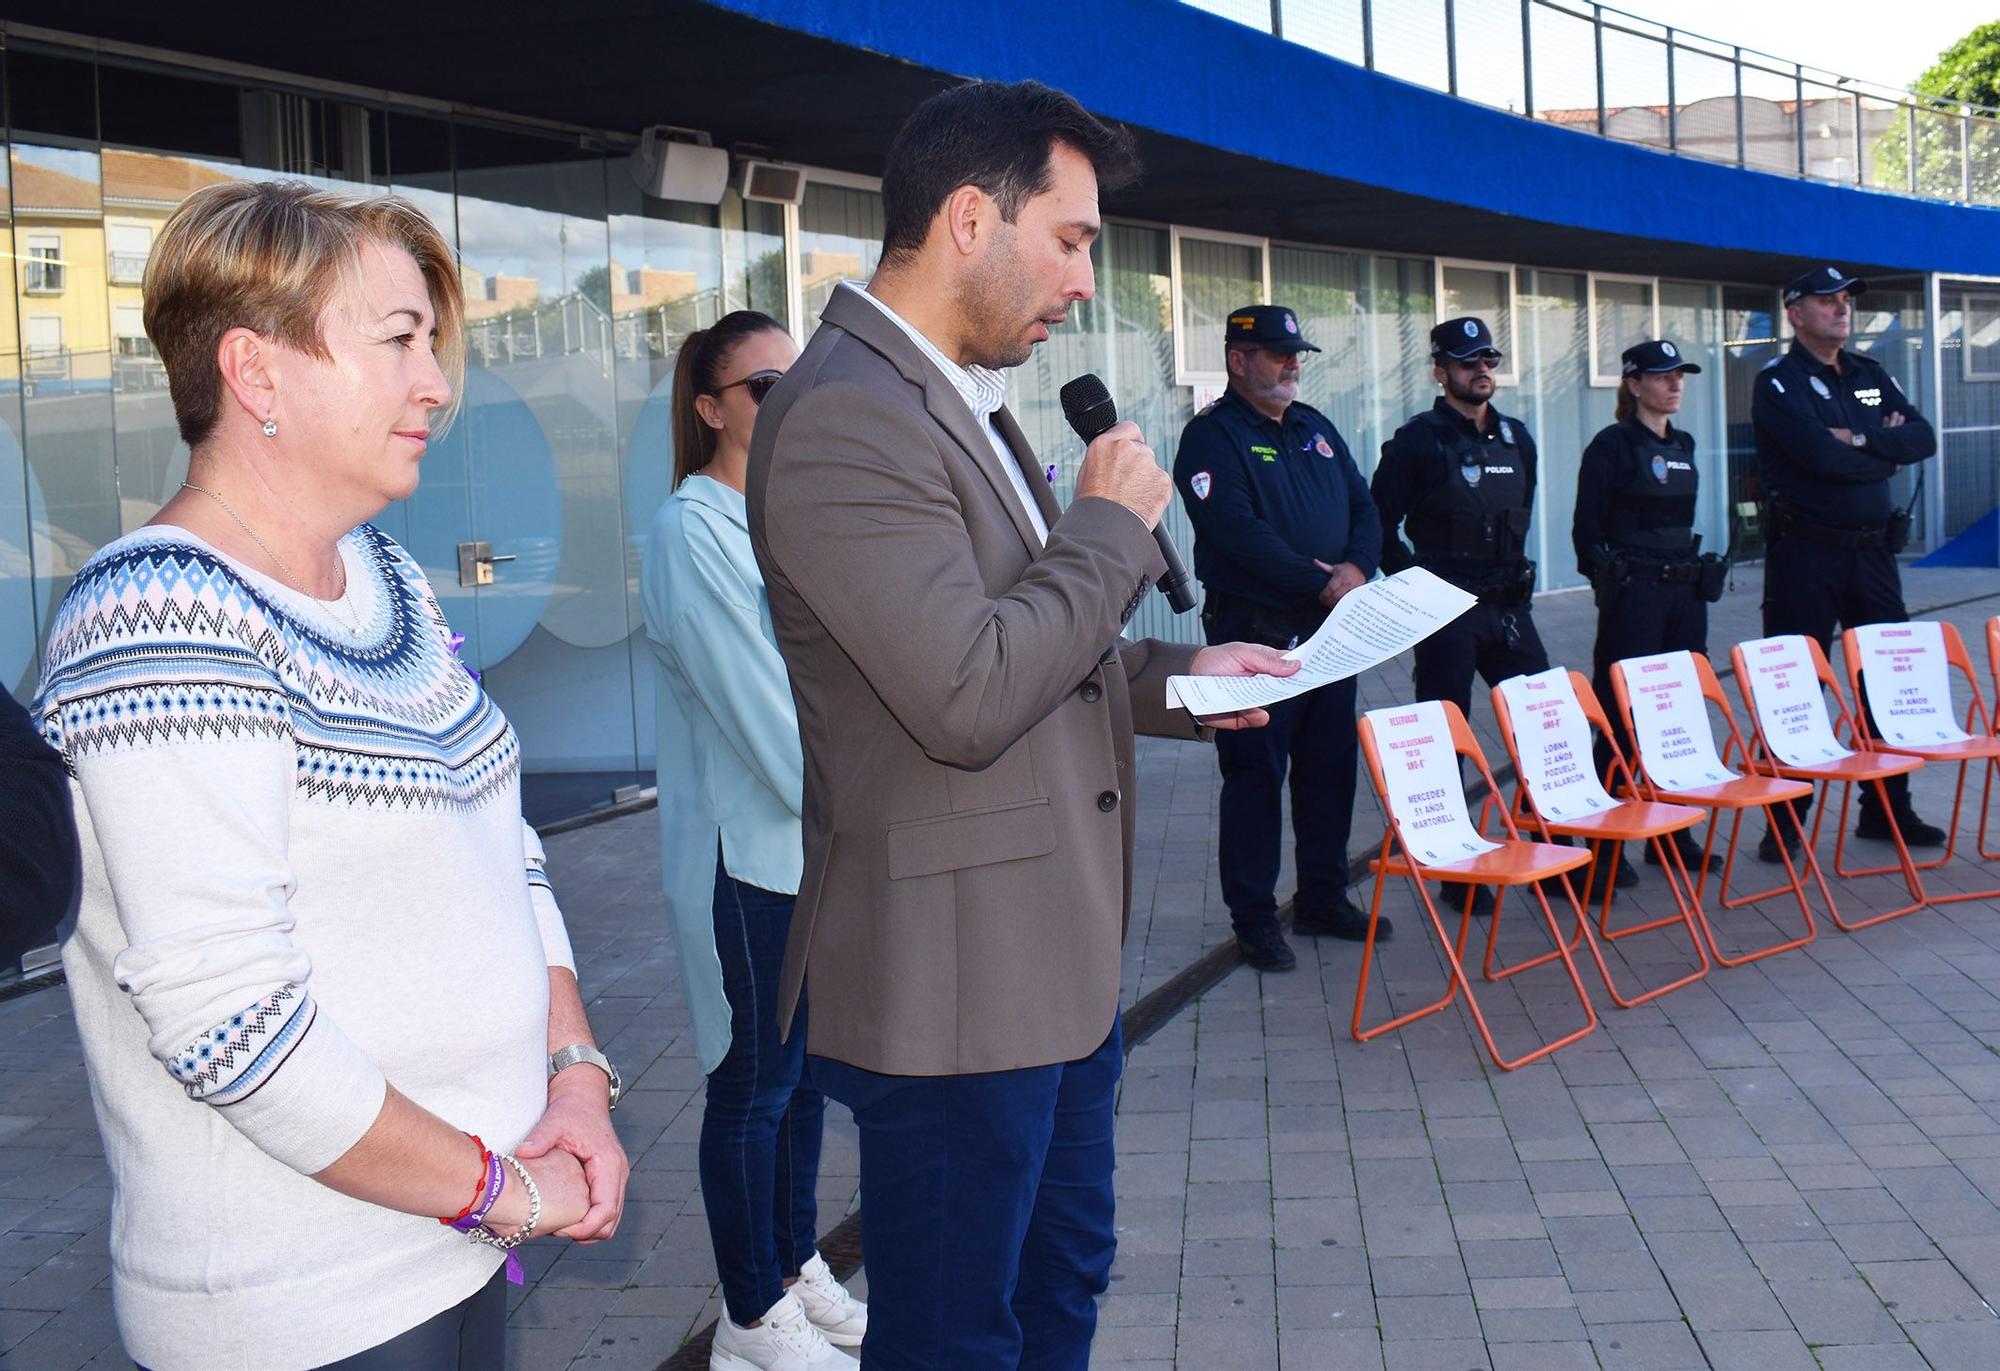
730, 780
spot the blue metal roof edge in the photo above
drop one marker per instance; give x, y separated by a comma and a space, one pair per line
1177, 70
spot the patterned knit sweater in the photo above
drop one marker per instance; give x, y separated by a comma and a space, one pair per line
305, 873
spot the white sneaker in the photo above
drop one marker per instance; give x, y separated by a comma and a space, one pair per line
834, 1312
784, 1341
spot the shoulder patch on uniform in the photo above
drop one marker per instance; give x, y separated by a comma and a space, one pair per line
1201, 483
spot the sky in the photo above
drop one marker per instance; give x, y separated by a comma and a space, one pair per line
1887, 41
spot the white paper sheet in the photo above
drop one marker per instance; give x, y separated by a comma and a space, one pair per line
1791, 710
1369, 625
1670, 719
1426, 796
1552, 739
1907, 680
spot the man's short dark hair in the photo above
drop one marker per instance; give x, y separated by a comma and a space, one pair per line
997, 137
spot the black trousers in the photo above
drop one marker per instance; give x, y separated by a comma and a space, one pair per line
1813, 588
1312, 737
1644, 617
1495, 642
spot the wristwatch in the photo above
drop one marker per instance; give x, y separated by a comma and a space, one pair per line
583, 1052
1859, 440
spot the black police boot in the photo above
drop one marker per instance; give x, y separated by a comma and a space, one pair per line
1623, 875
1916, 833
1264, 948
1342, 919
1690, 851
1767, 850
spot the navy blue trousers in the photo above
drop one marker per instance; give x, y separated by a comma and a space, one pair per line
1645, 618
760, 1127
1311, 735
1813, 589
986, 1212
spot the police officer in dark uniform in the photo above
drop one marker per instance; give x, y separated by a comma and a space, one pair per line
1832, 429
1634, 534
1460, 479
1283, 528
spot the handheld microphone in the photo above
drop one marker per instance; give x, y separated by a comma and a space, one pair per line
1090, 410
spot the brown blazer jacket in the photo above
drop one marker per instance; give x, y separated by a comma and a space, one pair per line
967, 709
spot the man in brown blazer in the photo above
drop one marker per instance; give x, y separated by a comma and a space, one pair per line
967, 707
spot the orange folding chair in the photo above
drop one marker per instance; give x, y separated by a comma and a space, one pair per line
1896, 651
1549, 739
1785, 683
1430, 838
1663, 700
1993, 664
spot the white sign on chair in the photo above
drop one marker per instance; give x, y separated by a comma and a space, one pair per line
1420, 772
1670, 721
1907, 679
1791, 711
1552, 739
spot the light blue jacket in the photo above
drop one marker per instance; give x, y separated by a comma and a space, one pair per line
729, 757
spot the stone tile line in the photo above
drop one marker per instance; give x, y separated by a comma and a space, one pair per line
1795, 1164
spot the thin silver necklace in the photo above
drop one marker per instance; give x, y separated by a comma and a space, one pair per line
353, 625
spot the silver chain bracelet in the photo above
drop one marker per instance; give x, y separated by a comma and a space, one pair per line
520, 1235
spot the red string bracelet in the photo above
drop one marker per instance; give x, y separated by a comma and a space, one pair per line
479, 1188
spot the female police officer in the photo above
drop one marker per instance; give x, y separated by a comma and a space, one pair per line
1634, 532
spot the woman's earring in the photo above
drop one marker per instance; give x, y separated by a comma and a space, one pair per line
270, 428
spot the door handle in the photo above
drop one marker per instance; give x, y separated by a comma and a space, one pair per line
476, 562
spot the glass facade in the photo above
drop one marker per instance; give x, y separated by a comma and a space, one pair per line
579, 290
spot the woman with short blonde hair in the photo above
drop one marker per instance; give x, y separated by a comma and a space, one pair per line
318, 970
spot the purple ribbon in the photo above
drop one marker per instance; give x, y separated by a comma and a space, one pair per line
496, 1181
1052, 473
458, 641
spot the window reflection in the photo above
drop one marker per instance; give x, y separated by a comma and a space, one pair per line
840, 239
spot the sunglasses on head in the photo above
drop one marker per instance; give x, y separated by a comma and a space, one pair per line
757, 384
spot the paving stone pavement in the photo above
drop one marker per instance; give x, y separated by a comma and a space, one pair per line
1792, 1164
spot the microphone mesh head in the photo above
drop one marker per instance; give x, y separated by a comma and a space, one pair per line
1084, 393
1088, 406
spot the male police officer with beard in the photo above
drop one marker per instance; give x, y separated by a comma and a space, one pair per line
1460, 478
1283, 527
1832, 429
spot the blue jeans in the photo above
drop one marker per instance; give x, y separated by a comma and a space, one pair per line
760, 1129
986, 1212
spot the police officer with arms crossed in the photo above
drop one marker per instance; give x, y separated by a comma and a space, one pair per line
1284, 527
1635, 538
1461, 478
1832, 428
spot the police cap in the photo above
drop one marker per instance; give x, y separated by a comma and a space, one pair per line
1823, 281
1271, 327
1460, 339
1656, 356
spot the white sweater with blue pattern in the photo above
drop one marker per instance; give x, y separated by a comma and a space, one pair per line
305, 873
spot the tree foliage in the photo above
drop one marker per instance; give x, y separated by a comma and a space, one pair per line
1967, 72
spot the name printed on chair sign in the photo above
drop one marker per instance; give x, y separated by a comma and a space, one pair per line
1552, 738
1426, 796
1670, 721
1907, 679
1791, 711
